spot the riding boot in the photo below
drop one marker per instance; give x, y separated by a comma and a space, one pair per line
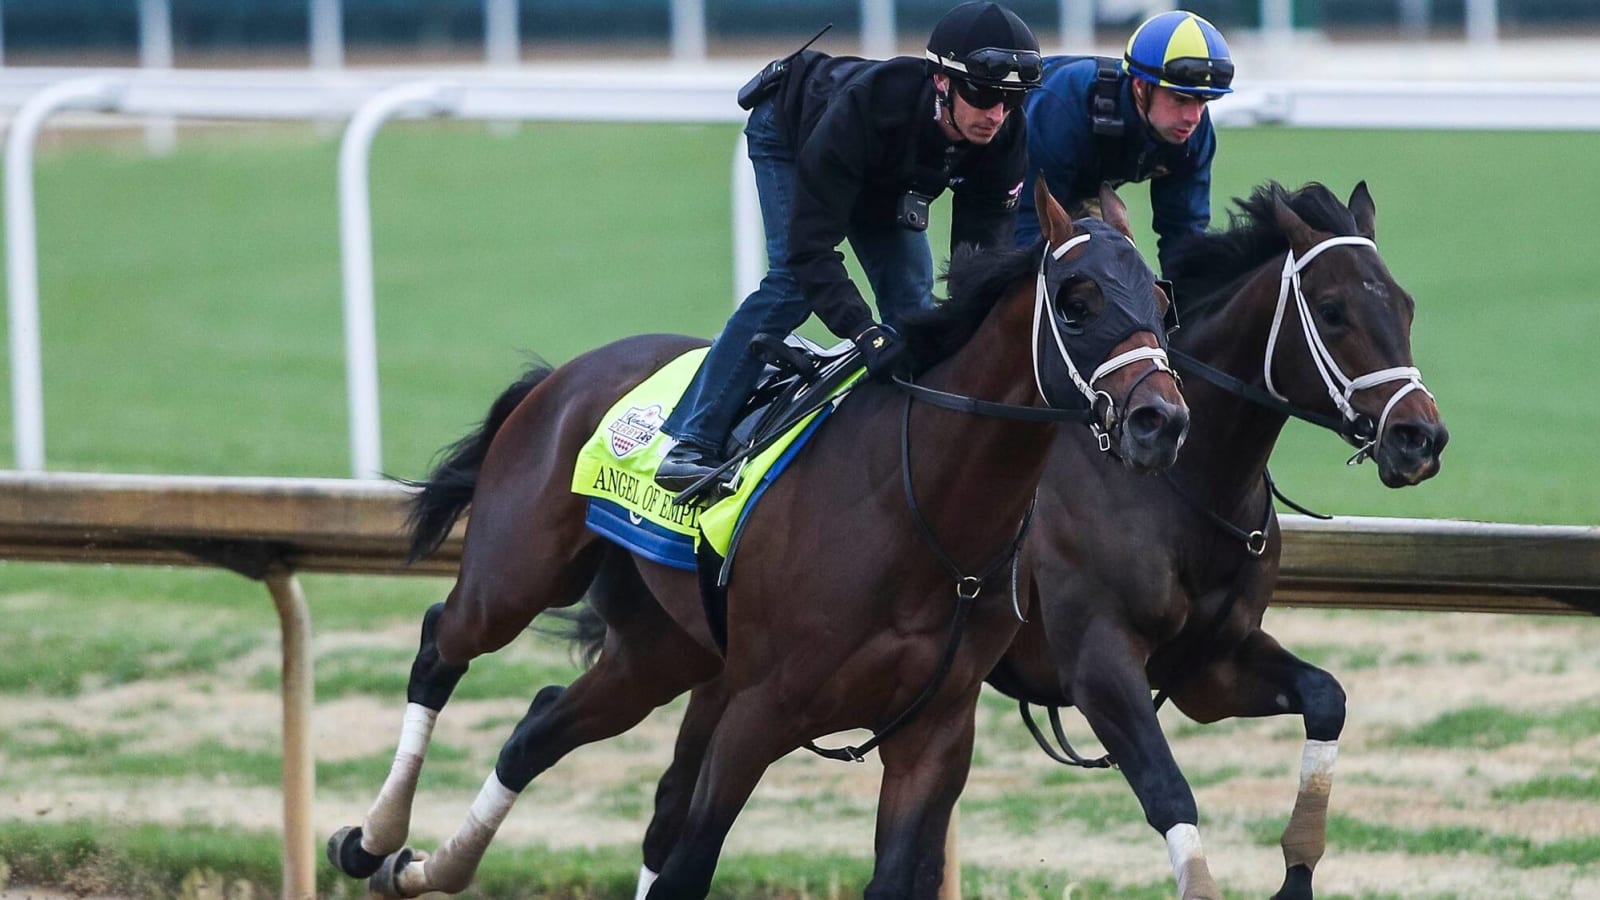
684, 465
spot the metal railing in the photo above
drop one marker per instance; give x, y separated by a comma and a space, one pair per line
269, 529
642, 94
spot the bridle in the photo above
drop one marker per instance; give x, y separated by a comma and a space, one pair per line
1109, 419
1357, 428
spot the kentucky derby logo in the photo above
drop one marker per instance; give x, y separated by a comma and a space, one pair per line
634, 429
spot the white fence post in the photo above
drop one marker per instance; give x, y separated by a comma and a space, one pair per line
22, 256
1077, 26
327, 34
1483, 22
355, 243
877, 29
688, 31
155, 52
502, 41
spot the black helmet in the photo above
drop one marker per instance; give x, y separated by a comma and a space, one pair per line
986, 45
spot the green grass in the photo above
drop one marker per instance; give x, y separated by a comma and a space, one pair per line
191, 303
1346, 834
384, 672
160, 860
1558, 787
1492, 727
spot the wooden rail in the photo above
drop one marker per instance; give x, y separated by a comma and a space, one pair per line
270, 528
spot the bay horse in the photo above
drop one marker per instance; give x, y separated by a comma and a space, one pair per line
839, 606
1145, 583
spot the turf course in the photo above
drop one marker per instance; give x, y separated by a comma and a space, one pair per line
191, 320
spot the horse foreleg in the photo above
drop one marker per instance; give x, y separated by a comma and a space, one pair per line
676, 788
745, 741
359, 850
1112, 692
925, 766
1261, 678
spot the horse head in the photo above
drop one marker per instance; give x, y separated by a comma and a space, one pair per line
1098, 310
1353, 317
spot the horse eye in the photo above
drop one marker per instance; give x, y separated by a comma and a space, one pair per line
1075, 315
1331, 314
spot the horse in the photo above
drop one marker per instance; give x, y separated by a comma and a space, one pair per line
1163, 582
826, 628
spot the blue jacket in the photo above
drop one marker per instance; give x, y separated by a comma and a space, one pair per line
1062, 144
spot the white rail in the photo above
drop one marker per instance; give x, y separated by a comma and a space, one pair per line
639, 94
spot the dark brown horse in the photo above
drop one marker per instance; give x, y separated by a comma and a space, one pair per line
838, 608
1162, 582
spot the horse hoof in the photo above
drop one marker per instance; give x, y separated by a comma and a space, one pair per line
1296, 884
386, 881
344, 851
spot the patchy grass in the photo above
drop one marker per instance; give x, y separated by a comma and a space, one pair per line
1559, 787
1346, 834
151, 860
1493, 727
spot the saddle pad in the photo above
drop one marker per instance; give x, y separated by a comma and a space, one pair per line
616, 469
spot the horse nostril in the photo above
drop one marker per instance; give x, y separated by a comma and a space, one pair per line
1156, 422
1415, 441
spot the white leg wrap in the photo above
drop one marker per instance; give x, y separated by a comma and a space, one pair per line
1305, 837
1316, 765
646, 878
1189, 864
389, 820
451, 867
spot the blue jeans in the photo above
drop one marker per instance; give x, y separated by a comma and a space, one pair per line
897, 262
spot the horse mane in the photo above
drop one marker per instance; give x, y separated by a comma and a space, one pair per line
1206, 269
976, 280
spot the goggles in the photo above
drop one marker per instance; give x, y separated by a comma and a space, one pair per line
979, 97
992, 64
1190, 71
1023, 68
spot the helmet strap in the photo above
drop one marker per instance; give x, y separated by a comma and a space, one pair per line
947, 104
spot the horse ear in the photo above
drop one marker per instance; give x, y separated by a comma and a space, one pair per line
1053, 220
1300, 235
1362, 207
1113, 211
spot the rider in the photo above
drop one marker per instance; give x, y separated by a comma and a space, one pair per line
1094, 121
852, 148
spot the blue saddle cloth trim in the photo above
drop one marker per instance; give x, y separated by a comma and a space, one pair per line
645, 538
669, 548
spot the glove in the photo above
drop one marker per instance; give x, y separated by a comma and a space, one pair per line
883, 350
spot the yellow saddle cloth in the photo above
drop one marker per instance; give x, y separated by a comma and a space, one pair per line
617, 465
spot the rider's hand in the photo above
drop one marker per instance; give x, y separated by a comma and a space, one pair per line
884, 351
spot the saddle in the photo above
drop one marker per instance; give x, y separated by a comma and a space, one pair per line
800, 375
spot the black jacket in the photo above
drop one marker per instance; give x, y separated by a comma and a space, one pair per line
852, 123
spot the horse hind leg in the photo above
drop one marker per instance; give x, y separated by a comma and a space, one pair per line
358, 850
479, 617
646, 661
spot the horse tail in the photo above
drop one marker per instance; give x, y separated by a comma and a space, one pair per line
445, 494
579, 626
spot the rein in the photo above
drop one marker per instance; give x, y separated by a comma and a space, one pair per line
1360, 430
967, 589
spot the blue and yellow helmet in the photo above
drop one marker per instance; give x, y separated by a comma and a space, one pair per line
1181, 51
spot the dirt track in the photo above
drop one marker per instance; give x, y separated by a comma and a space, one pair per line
1400, 670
